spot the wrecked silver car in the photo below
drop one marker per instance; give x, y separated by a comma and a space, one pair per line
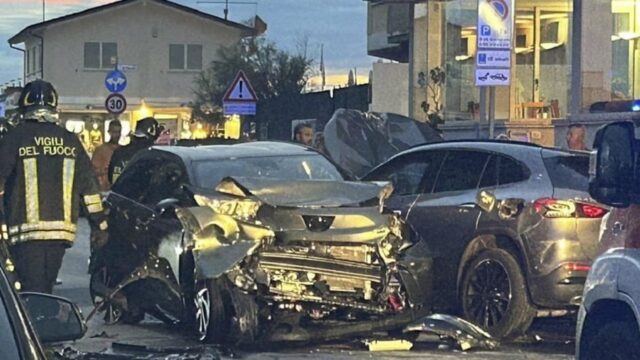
297, 261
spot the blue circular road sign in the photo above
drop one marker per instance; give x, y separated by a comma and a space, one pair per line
115, 81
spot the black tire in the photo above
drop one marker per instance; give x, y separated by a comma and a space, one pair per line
133, 316
212, 319
618, 340
494, 294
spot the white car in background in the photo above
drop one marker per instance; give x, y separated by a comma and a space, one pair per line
608, 326
608, 321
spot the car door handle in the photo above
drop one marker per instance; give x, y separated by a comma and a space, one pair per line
468, 205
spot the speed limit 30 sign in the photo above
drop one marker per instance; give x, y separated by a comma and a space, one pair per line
115, 103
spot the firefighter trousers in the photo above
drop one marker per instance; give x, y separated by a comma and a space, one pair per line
37, 264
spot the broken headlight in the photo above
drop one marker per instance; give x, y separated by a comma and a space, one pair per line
242, 209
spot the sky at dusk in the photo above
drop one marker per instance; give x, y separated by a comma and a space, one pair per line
341, 25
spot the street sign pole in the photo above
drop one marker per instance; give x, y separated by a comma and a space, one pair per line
493, 55
492, 111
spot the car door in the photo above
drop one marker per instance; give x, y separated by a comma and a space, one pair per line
410, 174
134, 197
446, 216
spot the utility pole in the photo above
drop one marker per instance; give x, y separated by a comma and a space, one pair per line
43, 2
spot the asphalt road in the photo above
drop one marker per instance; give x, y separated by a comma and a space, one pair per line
549, 339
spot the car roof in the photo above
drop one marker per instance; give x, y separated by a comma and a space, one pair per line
477, 144
240, 150
489, 145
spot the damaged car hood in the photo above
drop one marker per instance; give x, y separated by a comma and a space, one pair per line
308, 193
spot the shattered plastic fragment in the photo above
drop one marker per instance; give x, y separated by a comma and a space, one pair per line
464, 333
389, 345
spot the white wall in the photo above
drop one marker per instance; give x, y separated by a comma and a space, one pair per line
143, 31
390, 92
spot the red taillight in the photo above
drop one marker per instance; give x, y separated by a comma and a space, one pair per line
540, 204
577, 267
591, 211
554, 208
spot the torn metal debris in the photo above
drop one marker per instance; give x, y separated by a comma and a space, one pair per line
466, 335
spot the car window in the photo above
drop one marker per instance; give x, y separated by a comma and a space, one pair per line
135, 180
510, 171
410, 174
568, 171
165, 182
461, 170
502, 170
8, 342
291, 167
490, 174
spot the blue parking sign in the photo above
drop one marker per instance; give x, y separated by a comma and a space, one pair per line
485, 30
115, 81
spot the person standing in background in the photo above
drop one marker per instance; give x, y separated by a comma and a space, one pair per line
576, 137
102, 155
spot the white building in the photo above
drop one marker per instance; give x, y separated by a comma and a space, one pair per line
163, 44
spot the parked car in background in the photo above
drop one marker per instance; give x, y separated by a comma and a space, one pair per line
609, 318
499, 273
41, 319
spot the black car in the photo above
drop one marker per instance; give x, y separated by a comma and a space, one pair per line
24, 326
499, 273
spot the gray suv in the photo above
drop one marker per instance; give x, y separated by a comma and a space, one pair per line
499, 272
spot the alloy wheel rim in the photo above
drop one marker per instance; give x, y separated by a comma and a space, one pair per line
112, 314
203, 311
488, 294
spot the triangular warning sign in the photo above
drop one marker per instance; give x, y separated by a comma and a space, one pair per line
240, 90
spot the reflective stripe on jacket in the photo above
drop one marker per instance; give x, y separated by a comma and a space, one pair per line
47, 178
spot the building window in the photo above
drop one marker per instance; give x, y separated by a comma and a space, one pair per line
185, 57
34, 56
100, 55
541, 67
33, 59
27, 61
625, 75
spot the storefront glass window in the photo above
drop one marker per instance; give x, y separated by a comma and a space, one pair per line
625, 61
542, 81
541, 78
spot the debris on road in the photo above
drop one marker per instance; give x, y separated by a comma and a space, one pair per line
120, 351
389, 345
103, 335
464, 333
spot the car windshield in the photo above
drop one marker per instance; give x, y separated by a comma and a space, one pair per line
293, 167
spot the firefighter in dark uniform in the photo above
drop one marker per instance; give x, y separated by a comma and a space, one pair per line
45, 178
5, 257
146, 133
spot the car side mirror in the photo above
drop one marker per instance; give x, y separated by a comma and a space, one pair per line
486, 201
166, 204
54, 319
611, 167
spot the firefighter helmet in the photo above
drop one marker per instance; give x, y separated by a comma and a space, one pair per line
147, 128
38, 100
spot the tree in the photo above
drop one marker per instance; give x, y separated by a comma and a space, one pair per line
435, 86
272, 72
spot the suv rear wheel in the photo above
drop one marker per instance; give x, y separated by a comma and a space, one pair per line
494, 294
